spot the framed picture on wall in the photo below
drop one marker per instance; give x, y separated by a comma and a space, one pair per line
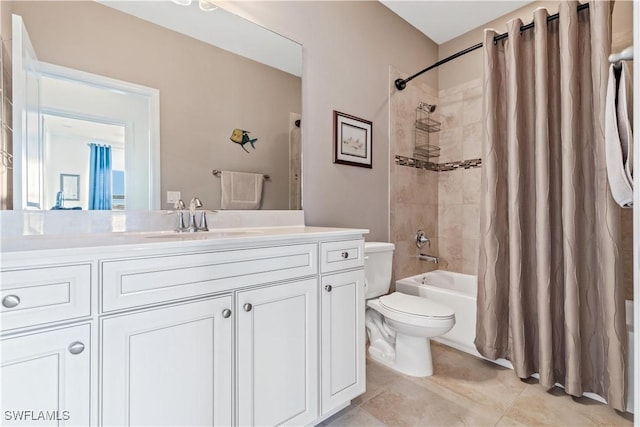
70, 186
352, 144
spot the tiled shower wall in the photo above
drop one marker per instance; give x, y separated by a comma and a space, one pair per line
458, 190
413, 192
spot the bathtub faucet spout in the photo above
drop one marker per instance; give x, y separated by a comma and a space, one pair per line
430, 258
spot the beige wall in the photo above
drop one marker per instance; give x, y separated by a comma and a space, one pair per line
458, 229
348, 47
205, 93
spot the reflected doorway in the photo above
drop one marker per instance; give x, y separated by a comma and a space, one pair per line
40, 88
66, 174
295, 161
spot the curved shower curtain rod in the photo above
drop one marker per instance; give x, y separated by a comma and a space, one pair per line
402, 83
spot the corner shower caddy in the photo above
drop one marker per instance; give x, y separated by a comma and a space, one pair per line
425, 126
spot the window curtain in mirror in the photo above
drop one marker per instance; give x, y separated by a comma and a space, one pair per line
100, 177
550, 295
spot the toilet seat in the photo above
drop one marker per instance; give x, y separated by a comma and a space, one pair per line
401, 311
416, 306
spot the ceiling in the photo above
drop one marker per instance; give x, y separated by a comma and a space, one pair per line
92, 131
442, 21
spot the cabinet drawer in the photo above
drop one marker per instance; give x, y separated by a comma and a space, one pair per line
341, 255
41, 295
143, 281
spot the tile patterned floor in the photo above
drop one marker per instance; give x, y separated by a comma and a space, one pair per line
467, 391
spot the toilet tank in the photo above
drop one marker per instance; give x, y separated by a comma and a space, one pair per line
377, 268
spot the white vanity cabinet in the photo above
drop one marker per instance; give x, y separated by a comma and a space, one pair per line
264, 331
169, 366
342, 323
45, 371
46, 378
278, 354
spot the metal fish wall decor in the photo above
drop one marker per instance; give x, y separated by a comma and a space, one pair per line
241, 137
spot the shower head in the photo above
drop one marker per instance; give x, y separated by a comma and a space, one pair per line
430, 108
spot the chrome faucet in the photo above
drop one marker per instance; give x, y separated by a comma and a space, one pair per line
180, 227
422, 239
193, 205
430, 258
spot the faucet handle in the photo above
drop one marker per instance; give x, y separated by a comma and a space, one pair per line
195, 202
179, 205
203, 222
422, 239
181, 227
192, 223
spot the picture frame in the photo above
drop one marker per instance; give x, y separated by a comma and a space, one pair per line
70, 186
352, 140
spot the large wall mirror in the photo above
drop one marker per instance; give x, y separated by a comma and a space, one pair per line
154, 90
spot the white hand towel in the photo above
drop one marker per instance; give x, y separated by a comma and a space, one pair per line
241, 191
619, 137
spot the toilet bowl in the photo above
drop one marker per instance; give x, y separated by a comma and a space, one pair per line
399, 326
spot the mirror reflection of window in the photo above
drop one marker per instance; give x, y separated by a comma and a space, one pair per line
118, 199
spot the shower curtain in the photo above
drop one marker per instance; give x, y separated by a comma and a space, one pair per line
550, 296
100, 177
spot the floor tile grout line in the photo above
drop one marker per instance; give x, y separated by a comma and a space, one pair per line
502, 413
372, 415
513, 401
371, 397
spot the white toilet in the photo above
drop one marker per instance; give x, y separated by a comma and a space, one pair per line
399, 325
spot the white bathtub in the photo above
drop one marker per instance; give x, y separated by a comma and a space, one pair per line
459, 291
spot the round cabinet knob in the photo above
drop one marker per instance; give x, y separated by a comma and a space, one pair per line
76, 347
10, 301
345, 255
226, 313
247, 307
328, 288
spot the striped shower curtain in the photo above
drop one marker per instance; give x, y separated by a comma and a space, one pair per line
550, 294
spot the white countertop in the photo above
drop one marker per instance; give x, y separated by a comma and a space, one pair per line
40, 245
29, 236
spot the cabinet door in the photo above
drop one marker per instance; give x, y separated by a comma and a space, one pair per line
169, 366
277, 354
343, 339
46, 378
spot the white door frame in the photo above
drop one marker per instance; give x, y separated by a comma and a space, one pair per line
25, 109
149, 148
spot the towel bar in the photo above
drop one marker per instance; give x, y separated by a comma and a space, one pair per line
217, 173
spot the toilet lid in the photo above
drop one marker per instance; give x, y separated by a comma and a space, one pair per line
417, 306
